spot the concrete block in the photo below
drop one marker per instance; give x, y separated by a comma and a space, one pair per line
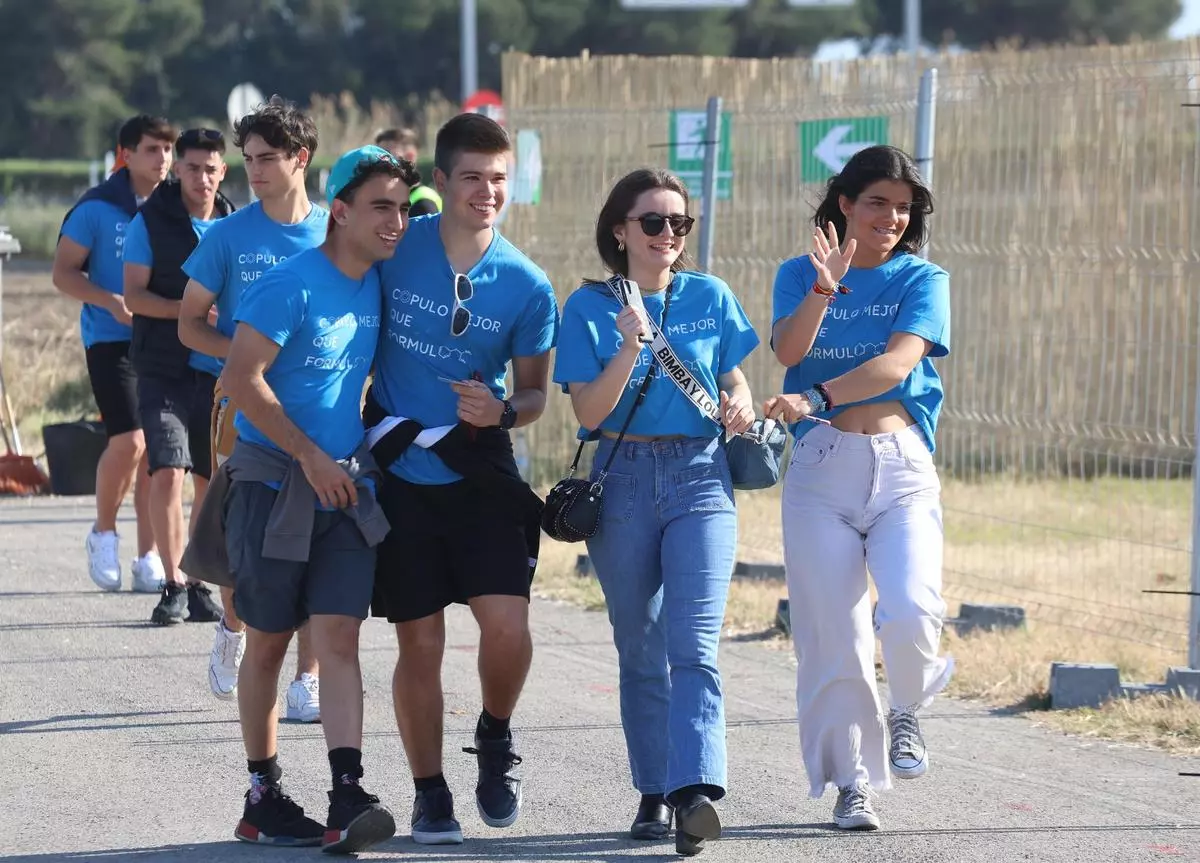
1082, 685
1186, 680
783, 617
1132, 690
972, 617
758, 570
583, 566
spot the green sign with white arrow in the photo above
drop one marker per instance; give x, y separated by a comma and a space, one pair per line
826, 145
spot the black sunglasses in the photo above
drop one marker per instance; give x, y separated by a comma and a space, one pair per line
460, 318
653, 224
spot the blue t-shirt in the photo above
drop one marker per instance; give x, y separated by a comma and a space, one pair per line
236, 251
906, 294
99, 227
706, 327
137, 251
327, 327
513, 314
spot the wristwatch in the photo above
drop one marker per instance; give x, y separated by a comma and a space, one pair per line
508, 419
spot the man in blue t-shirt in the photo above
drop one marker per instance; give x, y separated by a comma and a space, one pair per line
462, 303
305, 342
174, 384
88, 267
277, 142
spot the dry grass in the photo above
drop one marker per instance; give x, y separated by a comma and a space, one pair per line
43, 355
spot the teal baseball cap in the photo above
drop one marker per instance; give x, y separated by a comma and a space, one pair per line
343, 169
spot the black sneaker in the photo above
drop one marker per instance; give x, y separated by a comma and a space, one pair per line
498, 792
433, 821
201, 606
356, 821
272, 818
171, 606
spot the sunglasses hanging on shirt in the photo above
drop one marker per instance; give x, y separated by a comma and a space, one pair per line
460, 317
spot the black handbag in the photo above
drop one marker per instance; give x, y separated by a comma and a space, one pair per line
572, 511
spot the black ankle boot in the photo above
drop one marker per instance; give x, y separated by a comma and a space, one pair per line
695, 821
653, 819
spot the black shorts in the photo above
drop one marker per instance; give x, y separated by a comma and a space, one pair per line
176, 415
274, 595
114, 385
443, 548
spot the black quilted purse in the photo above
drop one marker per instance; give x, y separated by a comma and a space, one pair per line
572, 511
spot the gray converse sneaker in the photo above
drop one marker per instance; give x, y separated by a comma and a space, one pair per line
907, 751
853, 808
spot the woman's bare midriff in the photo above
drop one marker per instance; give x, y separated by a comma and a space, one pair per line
641, 438
880, 418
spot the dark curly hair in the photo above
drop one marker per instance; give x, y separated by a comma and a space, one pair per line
400, 169
867, 167
281, 124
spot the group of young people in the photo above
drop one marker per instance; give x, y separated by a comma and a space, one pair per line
335, 380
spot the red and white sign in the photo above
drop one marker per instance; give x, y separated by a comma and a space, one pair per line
486, 102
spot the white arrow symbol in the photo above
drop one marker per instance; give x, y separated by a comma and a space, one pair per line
834, 151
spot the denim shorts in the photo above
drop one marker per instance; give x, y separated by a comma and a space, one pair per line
274, 595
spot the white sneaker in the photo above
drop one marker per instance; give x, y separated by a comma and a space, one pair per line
907, 747
304, 700
224, 661
853, 810
149, 576
104, 559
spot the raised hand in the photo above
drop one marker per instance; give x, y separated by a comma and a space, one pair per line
830, 261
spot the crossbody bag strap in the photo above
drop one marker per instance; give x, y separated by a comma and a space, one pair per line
641, 396
673, 367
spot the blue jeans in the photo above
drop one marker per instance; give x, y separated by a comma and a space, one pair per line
664, 554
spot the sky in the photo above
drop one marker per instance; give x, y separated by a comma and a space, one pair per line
1188, 23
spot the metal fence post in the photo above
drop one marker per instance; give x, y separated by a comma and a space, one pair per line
712, 147
926, 129
1194, 613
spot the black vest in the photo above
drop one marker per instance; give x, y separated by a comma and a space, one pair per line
156, 350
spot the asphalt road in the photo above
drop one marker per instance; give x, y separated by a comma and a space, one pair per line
113, 748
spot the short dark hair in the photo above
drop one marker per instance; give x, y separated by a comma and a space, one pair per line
617, 208
400, 169
281, 124
468, 133
145, 126
867, 167
400, 134
200, 139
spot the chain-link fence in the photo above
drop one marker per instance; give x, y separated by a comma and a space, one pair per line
1067, 217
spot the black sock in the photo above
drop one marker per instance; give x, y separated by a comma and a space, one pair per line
491, 728
265, 772
653, 799
346, 765
428, 783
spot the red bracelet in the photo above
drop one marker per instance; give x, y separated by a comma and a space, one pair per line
817, 289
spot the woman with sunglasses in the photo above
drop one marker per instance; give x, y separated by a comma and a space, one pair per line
664, 550
858, 326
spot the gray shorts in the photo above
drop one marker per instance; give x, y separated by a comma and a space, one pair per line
279, 595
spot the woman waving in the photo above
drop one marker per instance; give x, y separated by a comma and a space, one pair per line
858, 322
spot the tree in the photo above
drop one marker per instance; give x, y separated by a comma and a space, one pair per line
977, 23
